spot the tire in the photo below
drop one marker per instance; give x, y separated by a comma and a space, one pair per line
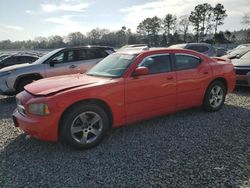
84, 126
214, 97
22, 83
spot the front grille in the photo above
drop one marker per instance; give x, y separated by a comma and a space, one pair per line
242, 82
242, 71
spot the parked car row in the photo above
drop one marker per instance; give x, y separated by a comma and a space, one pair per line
133, 84
117, 88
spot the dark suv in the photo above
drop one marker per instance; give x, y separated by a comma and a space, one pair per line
16, 59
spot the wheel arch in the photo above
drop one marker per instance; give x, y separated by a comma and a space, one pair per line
36, 76
221, 79
99, 102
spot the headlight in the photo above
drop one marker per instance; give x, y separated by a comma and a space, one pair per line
39, 109
20, 107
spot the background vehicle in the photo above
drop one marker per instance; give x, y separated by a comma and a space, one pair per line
237, 52
204, 48
133, 46
17, 59
242, 68
123, 88
220, 51
3, 56
58, 62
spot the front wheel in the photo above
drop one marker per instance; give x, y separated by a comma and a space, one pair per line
215, 97
84, 126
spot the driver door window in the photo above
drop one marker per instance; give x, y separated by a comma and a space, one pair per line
59, 58
62, 66
157, 64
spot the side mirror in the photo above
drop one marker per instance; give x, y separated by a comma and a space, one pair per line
53, 62
140, 71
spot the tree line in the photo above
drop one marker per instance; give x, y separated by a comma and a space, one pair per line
204, 21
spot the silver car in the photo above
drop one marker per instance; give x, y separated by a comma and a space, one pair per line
58, 62
203, 48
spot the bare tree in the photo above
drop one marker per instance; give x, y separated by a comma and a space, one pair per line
246, 19
184, 23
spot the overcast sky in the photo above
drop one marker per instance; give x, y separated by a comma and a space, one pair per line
27, 19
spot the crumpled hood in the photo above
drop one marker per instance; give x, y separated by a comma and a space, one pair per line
241, 62
56, 84
14, 67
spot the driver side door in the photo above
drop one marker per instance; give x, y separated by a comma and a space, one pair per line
63, 66
151, 95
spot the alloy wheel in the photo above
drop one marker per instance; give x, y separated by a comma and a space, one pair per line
86, 127
216, 96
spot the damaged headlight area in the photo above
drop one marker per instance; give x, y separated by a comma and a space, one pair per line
41, 109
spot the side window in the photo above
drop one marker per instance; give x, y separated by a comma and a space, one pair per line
199, 48
11, 61
82, 55
157, 64
91, 54
25, 59
71, 56
59, 58
100, 53
184, 62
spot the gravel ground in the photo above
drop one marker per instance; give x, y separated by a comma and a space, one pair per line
191, 148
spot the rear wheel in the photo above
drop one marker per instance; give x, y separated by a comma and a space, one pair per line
215, 96
84, 126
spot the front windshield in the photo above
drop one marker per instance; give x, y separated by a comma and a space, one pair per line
46, 56
112, 66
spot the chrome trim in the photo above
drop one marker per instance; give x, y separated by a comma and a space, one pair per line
162, 54
188, 55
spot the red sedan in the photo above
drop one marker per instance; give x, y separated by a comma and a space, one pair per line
126, 87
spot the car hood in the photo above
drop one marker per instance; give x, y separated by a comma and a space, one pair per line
241, 62
14, 67
53, 85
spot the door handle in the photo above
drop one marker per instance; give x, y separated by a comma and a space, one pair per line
206, 72
72, 66
170, 78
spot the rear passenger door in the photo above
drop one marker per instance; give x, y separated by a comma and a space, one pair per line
192, 76
87, 58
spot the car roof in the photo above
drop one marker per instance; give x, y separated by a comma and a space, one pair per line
184, 45
138, 51
199, 44
86, 47
23, 55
